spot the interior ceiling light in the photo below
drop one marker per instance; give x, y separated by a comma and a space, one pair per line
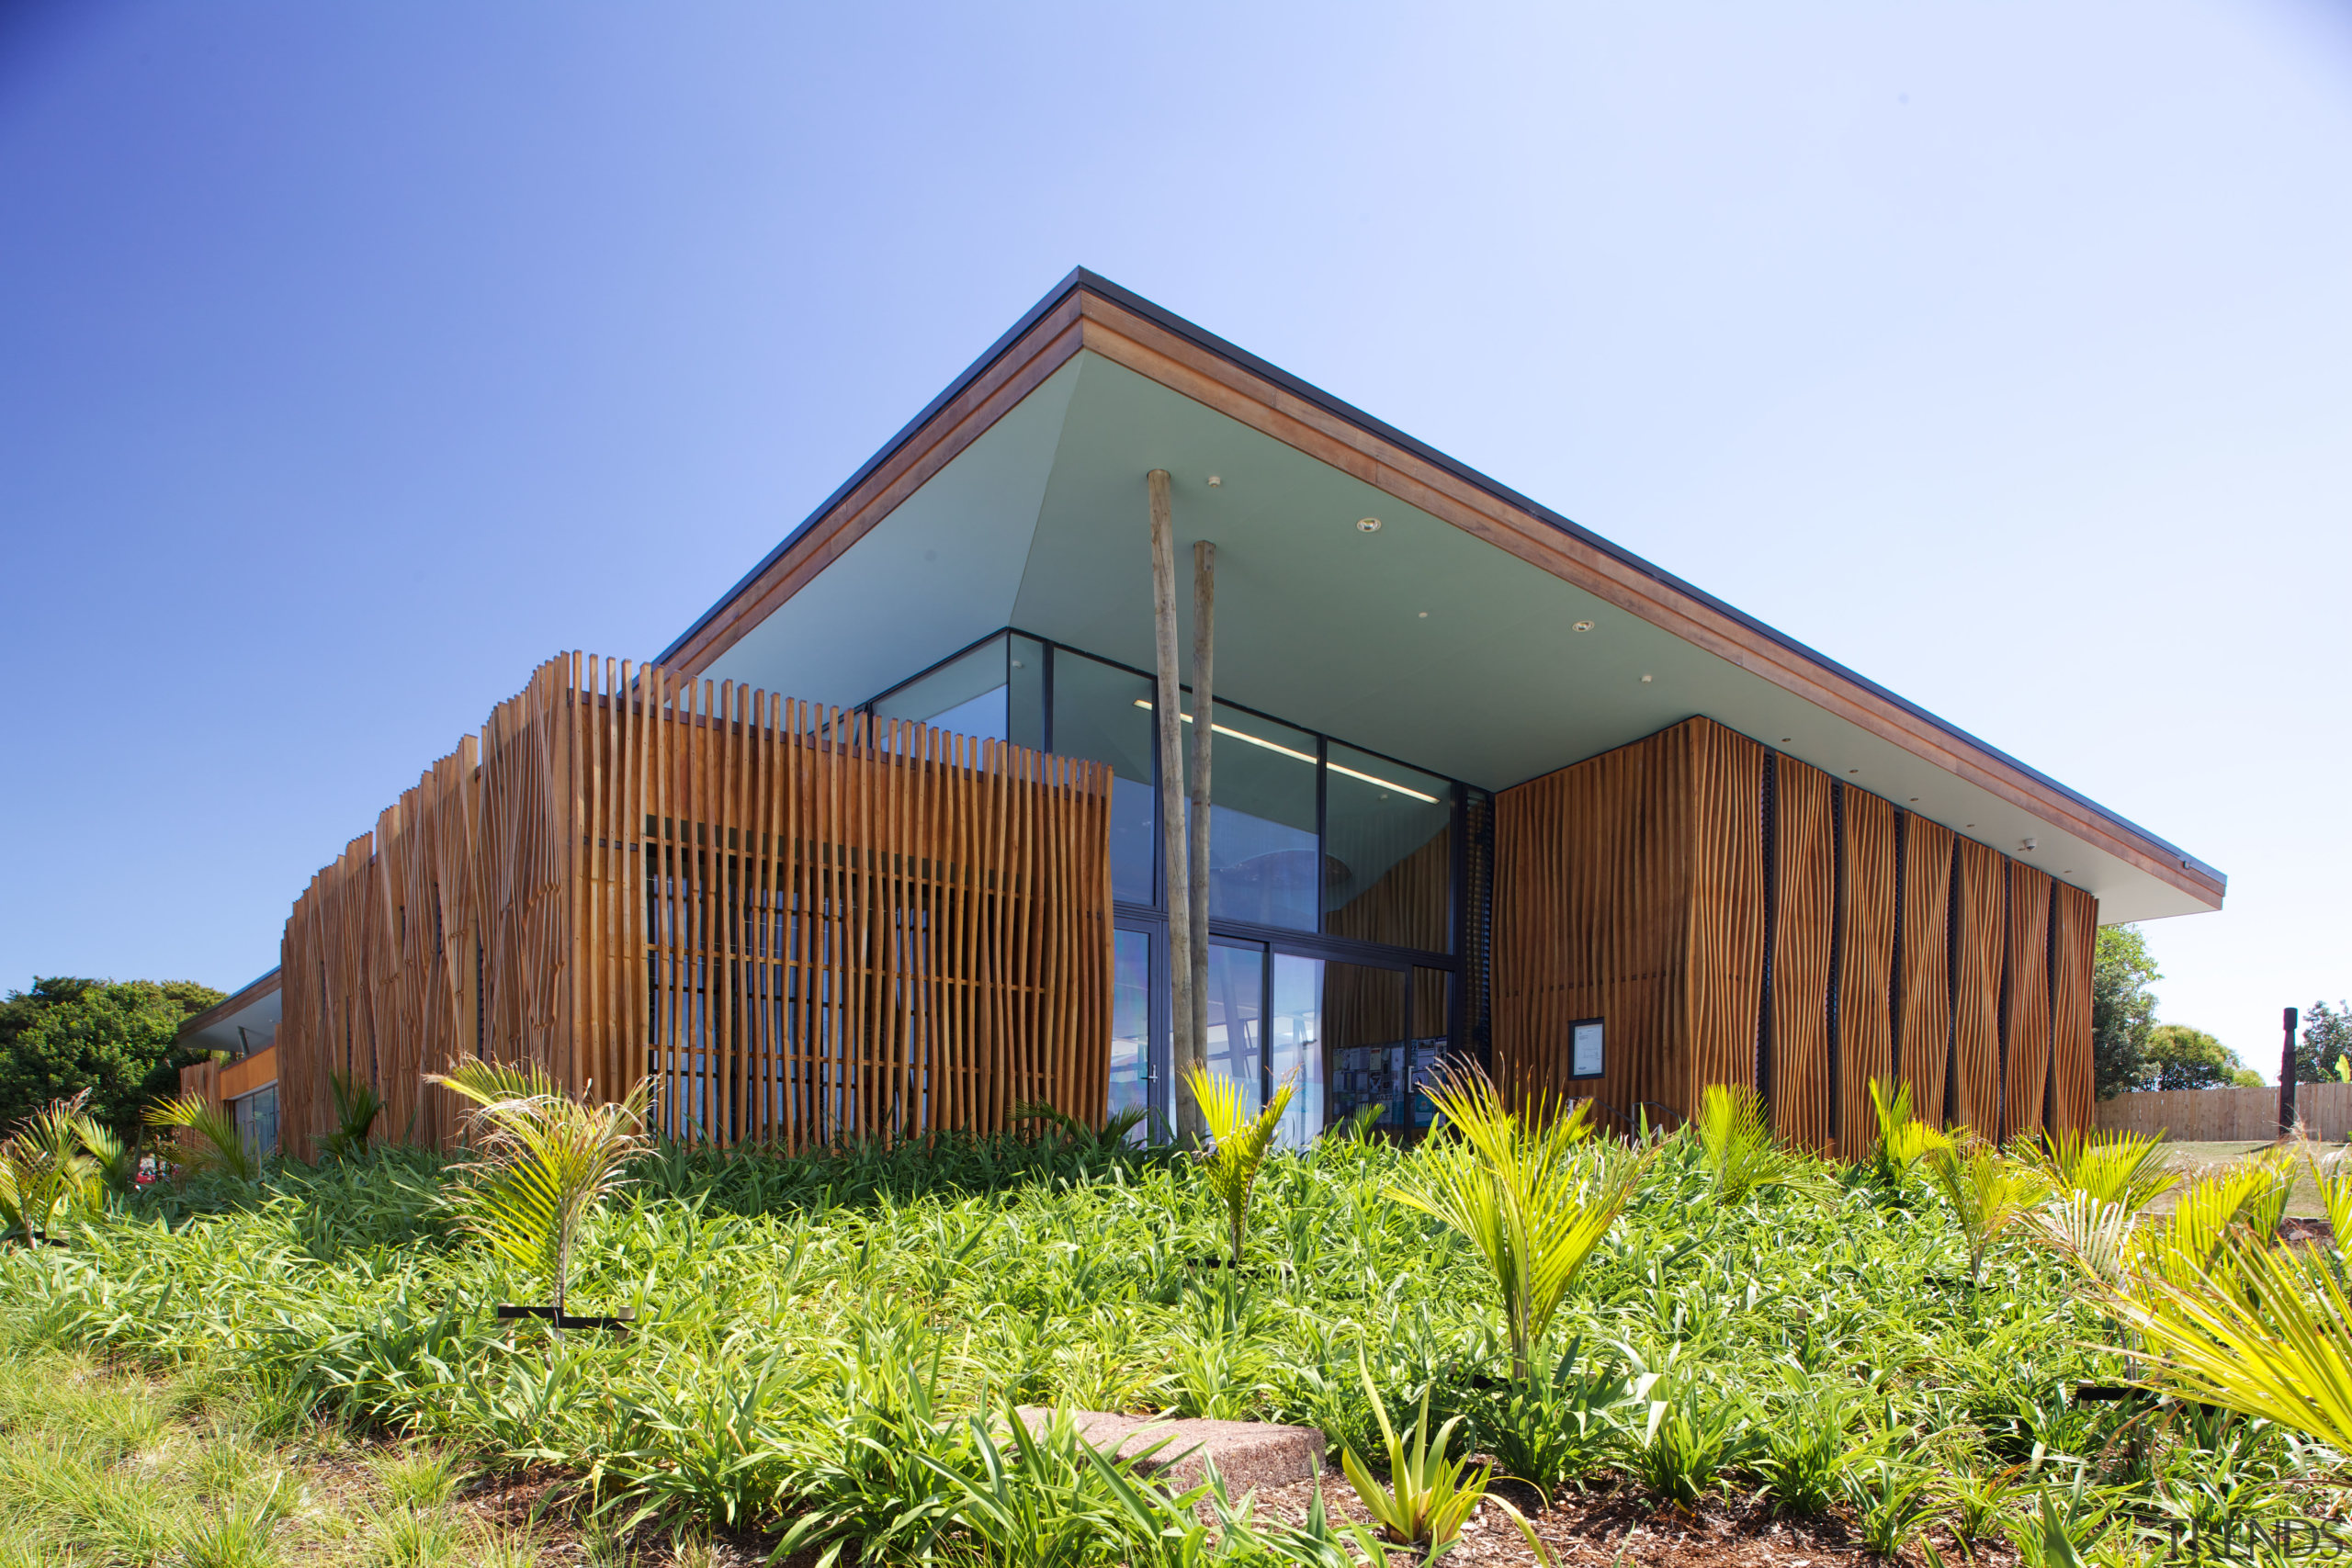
1144, 704
1584, 626
1425, 615
1215, 481
1646, 680
1367, 525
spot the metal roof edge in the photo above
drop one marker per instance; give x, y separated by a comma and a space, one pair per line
1093, 283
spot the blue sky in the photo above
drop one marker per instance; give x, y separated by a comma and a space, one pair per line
353, 358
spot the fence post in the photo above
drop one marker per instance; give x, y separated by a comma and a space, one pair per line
2287, 1079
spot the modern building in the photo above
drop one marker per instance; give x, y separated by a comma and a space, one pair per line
239, 1038
1484, 783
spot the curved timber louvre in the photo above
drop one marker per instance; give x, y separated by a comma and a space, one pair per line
1922, 1004
1798, 1070
1633, 887
1980, 933
2025, 1017
805, 926
1866, 911
2074, 935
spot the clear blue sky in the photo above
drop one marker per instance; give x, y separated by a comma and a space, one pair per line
355, 357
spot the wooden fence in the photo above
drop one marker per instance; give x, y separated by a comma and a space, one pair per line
2229, 1115
804, 925
1735, 916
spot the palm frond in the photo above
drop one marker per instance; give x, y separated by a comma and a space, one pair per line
2267, 1332
47, 1164
356, 1106
1514, 1188
544, 1160
217, 1145
2105, 1167
1239, 1142
1735, 1133
1988, 1192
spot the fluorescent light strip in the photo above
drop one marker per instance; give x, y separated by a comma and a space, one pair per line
1144, 704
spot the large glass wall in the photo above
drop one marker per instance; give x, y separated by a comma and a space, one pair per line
1262, 843
1389, 840
1104, 714
1334, 887
995, 690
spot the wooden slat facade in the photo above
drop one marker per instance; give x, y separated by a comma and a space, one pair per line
1798, 1064
1979, 937
1636, 886
1923, 967
2026, 1018
1865, 1022
806, 926
1723, 913
2073, 937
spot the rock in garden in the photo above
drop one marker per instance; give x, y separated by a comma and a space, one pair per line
1247, 1453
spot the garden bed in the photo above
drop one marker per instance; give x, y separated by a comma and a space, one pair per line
795, 1318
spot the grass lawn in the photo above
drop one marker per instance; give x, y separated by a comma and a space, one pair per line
308, 1368
104, 1463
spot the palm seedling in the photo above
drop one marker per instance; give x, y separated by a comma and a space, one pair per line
1515, 1189
1238, 1144
1988, 1194
1902, 1139
217, 1143
545, 1158
1735, 1135
356, 1106
56, 1159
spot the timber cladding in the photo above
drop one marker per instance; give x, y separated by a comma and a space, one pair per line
806, 926
1736, 916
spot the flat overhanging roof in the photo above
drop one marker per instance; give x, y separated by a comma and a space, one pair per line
254, 1009
1450, 638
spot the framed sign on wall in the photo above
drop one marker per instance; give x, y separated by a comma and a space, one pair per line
1586, 1048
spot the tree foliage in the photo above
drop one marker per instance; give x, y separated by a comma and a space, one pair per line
2177, 1056
2326, 1041
2123, 1010
112, 1039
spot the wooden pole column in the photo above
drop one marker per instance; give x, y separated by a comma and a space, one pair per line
2287, 1076
1203, 728
1186, 1053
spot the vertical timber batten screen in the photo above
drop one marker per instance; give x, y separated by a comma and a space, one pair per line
806, 925
1631, 887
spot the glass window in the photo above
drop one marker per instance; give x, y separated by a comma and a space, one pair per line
1295, 1036
1262, 855
1236, 996
1131, 1021
256, 1118
1389, 841
1104, 714
1366, 1036
966, 695
1025, 692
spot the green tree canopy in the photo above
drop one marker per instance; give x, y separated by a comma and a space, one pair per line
2327, 1039
2123, 1012
2177, 1056
113, 1038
